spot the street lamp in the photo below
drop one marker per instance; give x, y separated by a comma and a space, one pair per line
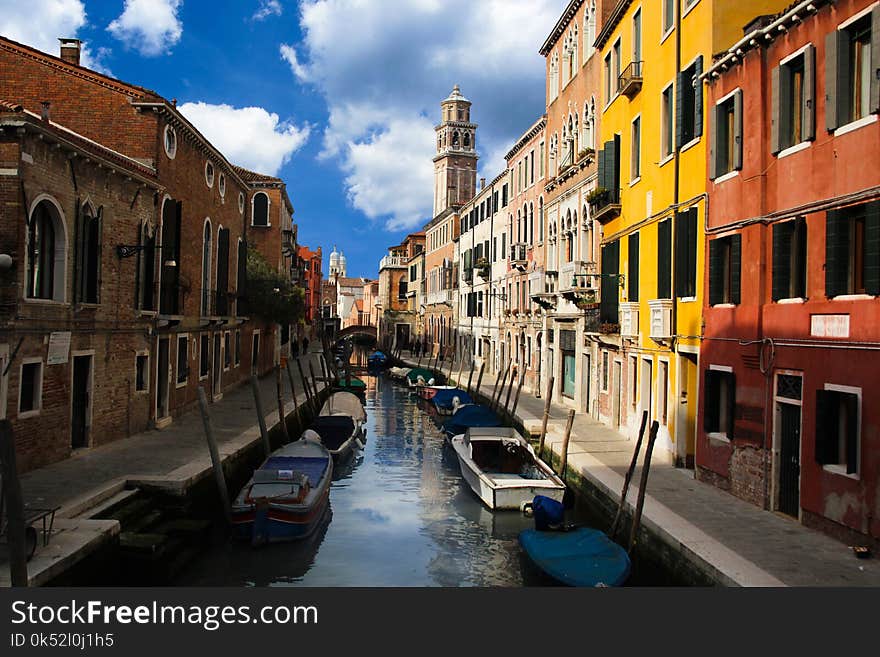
128, 250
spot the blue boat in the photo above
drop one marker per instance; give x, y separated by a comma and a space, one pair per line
444, 399
579, 556
377, 360
469, 416
288, 494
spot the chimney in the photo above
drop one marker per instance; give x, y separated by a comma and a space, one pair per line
482, 184
70, 50
46, 105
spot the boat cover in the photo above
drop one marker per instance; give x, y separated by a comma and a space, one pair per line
310, 466
469, 416
378, 356
351, 383
333, 429
344, 403
580, 557
443, 397
414, 374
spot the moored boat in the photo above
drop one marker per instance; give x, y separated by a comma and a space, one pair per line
420, 377
446, 400
469, 416
340, 424
287, 495
502, 468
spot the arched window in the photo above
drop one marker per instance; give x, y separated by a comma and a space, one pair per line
88, 255
541, 219
401, 289
589, 29
46, 250
531, 223
554, 75
261, 209
455, 139
206, 270
147, 268
467, 140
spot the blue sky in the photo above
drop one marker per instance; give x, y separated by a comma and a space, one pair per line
337, 97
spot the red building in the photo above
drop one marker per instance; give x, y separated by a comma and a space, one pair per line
310, 262
790, 408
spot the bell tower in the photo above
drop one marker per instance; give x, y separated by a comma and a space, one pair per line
455, 165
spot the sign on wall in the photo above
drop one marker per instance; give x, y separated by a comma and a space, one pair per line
59, 348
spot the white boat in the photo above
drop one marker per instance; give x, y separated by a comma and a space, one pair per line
502, 468
340, 424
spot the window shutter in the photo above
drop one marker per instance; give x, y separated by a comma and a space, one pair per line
609, 296
735, 269
698, 96
831, 107
782, 235
139, 304
692, 253
827, 427
809, 109
79, 239
738, 130
679, 118
99, 250
716, 271
223, 271
616, 163
664, 259
713, 142
775, 111
836, 253
680, 254
851, 405
633, 268
875, 60
712, 404
731, 405
612, 169
872, 249
800, 274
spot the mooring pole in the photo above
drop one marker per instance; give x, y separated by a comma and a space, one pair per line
496, 403
480, 377
302, 377
216, 463
316, 399
261, 416
292, 387
460, 370
522, 380
643, 485
629, 473
546, 414
565, 440
15, 525
495, 387
509, 389
471, 377
282, 419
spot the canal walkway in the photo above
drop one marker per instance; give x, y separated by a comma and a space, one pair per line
171, 460
728, 541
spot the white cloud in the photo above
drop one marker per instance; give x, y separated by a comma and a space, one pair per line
267, 8
152, 27
250, 137
383, 74
289, 55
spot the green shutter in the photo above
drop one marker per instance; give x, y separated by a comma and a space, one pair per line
809, 109
664, 259
800, 273
872, 249
737, 154
782, 235
875, 60
716, 271
679, 117
837, 238
612, 163
736, 269
602, 183
692, 252
713, 142
831, 109
79, 255
609, 286
775, 111
680, 254
698, 96
633, 268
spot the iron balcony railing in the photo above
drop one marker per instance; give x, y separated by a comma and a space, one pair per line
392, 261
629, 82
518, 253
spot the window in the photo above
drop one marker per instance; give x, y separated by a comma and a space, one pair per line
401, 290
607, 78
634, 379
207, 297
146, 267
237, 348
686, 253
725, 148
852, 87
720, 403
142, 373
541, 160
605, 367
241, 202
221, 185
608, 305
589, 29
637, 35
790, 260
725, 258
662, 391
30, 391
635, 170
182, 360
793, 101
666, 138
260, 209
45, 253
838, 417
664, 259
632, 277
88, 255
615, 51
170, 142
227, 350
852, 250
204, 355
668, 15
689, 112
209, 174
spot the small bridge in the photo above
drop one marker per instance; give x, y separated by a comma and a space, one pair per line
368, 331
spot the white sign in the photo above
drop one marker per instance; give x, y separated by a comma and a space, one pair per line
829, 326
59, 348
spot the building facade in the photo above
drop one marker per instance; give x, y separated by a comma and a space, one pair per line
310, 265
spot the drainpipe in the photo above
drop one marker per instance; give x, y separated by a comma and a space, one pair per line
673, 347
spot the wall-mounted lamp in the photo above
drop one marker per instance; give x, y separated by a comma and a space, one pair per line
128, 250
6, 262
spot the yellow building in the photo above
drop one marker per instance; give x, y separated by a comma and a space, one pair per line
651, 202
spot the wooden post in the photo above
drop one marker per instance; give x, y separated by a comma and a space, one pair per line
496, 403
471, 377
261, 415
509, 390
480, 377
495, 387
522, 380
419, 364
316, 399
643, 484
292, 387
546, 414
325, 371
628, 478
282, 418
460, 370
302, 378
564, 463
15, 526
217, 464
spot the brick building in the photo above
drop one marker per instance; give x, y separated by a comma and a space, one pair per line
310, 263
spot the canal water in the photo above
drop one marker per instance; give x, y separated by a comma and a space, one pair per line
400, 515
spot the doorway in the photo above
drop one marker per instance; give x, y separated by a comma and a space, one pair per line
647, 387
80, 402
617, 393
586, 383
255, 354
686, 410
163, 372
787, 443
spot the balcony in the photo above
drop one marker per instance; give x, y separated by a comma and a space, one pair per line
577, 277
392, 262
629, 320
519, 256
288, 243
629, 83
604, 205
661, 319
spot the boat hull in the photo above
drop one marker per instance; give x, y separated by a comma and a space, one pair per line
277, 524
581, 557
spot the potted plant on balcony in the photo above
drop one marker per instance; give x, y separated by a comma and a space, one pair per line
586, 300
585, 153
597, 198
483, 268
